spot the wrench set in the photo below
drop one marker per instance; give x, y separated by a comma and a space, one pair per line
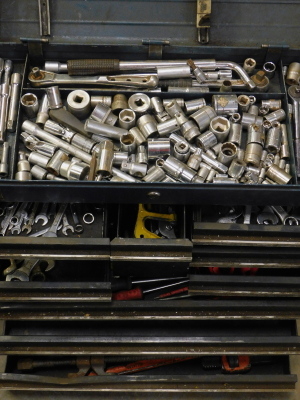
48, 220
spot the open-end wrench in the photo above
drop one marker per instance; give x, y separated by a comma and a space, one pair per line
78, 226
10, 211
30, 220
52, 232
285, 218
40, 78
43, 215
52, 211
231, 217
23, 273
247, 215
294, 93
66, 226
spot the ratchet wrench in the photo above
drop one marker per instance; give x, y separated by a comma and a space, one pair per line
40, 78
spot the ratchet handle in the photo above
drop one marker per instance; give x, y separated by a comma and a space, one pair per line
93, 66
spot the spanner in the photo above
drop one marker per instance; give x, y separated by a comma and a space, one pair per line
285, 218
231, 217
267, 217
294, 93
15, 219
6, 221
52, 211
52, 232
66, 226
22, 216
23, 273
40, 78
30, 220
78, 226
43, 215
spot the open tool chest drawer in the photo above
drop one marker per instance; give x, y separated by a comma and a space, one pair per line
239, 282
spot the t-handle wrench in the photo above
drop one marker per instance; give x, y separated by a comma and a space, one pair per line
294, 93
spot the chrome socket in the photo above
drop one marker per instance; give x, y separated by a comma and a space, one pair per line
166, 127
204, 171
284, 150
108, 131
250, 119
174, 138
249, 65
139, 103
141, 155
119, 103
178, 170
23, 168
191, 106
56, 161
272, 104
155, 174
38, 172
220, 127
158, 148
134, 169
59, 130
235, 133
215, 164
119, 157
157, 105
273, 140
30, 105
226, 86
278, 115
38, 159
173, 108
106, 100
105, 159
243, 103
194, 161
127, 119
203, 117
216, 149
269, 68
220, 179
128, 143
256, 134
77, 171
211, 176
147, 125
225, 104
138, 136
181, 151
228, 153
278, 175
104, 114
43, 113
293, 74
79, 103
180, 101
236, 169
206, 140
253, 154
54, 98
261, 81
253, 109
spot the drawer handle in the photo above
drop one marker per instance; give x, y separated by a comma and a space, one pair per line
153, 195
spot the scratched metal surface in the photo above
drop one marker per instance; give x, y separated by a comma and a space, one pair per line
234, 22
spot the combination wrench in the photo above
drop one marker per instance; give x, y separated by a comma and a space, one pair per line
30, 220
52, 232
66, 226
285, 218
78, 226
17, 220
23, 273
6, 221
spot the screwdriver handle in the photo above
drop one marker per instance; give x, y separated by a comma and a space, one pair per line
118, 284
93, 66
133, 294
